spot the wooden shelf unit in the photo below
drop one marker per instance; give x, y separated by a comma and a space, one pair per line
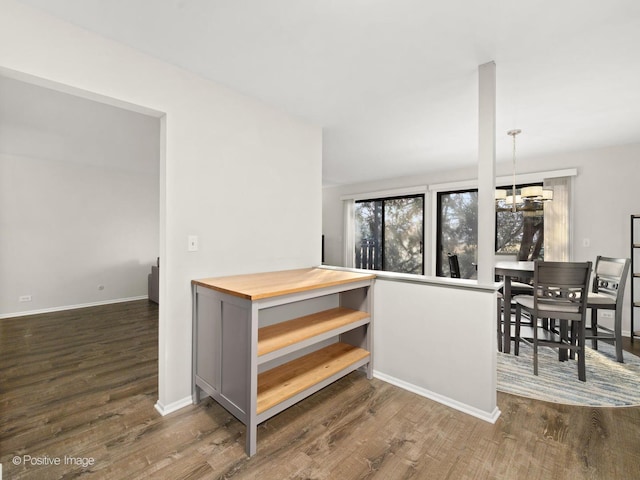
263, 342
635, 273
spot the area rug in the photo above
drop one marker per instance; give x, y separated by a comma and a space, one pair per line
609, 383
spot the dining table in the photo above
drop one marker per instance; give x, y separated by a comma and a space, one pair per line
509, 270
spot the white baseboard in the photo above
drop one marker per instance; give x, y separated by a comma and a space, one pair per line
71, 307
173, 406
490, 417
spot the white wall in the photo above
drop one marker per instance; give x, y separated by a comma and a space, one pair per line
438, 341
79, 199
233, 171
606, 193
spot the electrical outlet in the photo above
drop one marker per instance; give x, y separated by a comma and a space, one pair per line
606, 314
24, 298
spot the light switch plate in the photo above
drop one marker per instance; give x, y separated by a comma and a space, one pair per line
192, 243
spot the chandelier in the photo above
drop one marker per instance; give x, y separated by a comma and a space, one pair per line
529, 200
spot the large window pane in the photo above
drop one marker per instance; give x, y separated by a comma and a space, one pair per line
389, 234
458, 231
368, 236
520, 233
403, 235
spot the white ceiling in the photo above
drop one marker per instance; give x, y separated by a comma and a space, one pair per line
394, 83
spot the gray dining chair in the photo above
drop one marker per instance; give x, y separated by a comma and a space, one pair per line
517, 288
559, 293
500, 306
610, 277
454, 265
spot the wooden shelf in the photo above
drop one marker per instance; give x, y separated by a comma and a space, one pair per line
326, 323
281, 383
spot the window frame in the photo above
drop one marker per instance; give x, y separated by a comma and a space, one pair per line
439, 264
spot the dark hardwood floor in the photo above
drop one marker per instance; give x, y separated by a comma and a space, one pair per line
80, 387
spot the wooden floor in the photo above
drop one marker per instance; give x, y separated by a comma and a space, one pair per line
82, 384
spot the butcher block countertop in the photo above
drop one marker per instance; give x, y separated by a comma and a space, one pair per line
256, 286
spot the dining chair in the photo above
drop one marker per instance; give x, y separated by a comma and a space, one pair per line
559, 293
610, 277
516, 288
454, 265
500, 305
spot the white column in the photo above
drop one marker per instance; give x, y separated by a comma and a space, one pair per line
486, 170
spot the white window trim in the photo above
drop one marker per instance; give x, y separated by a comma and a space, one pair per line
394, 192
532, 177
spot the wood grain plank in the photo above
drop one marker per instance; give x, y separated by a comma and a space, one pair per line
284, 334
272, 284
287, 380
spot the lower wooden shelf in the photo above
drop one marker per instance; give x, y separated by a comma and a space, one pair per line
285, 381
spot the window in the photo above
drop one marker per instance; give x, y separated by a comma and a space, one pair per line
457, 231
389, 234
520, 234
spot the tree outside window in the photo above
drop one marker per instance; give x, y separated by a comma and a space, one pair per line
389, 234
